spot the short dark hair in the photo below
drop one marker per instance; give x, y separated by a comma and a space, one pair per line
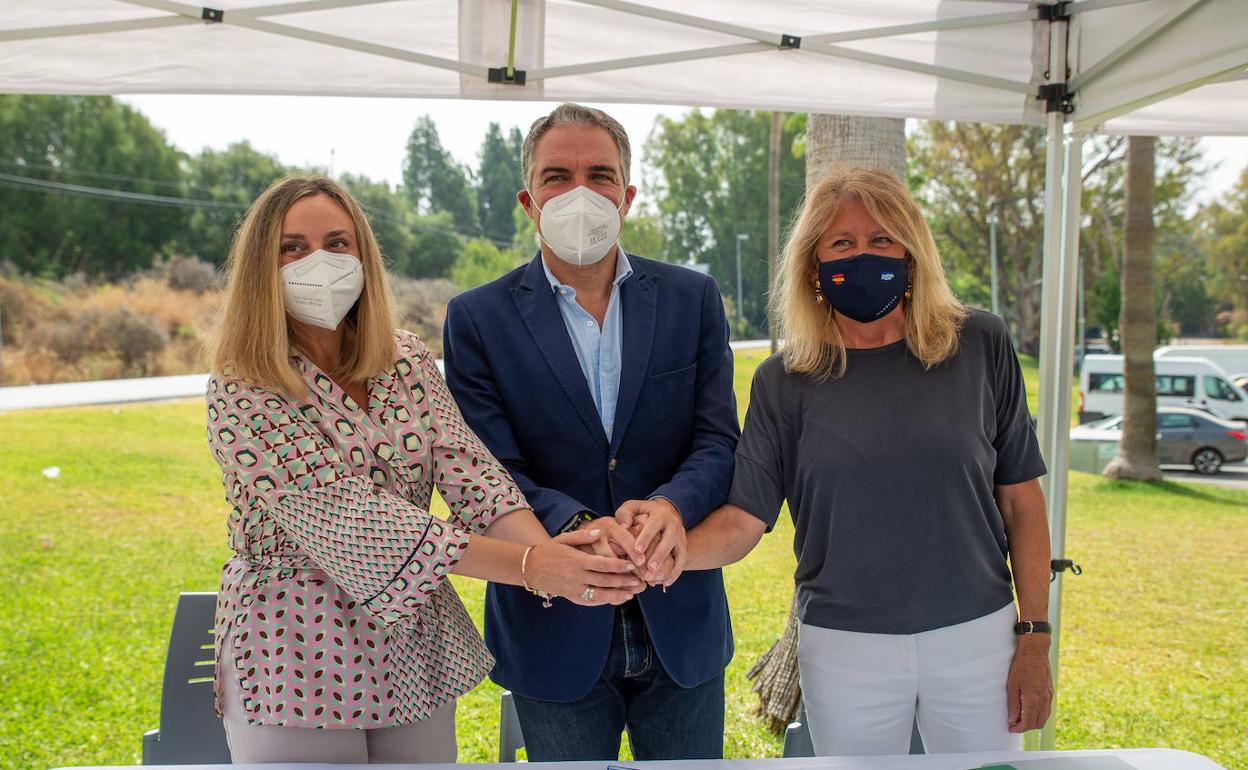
568, 114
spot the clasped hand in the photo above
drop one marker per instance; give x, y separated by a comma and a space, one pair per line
647, 534
611, 559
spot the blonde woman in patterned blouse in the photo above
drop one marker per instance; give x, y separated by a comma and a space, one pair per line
339, 638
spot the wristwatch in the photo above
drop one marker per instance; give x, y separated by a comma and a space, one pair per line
576, 521
1033, 627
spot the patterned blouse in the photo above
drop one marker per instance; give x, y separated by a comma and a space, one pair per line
335, 611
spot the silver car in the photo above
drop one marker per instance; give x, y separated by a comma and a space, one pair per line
1184, 437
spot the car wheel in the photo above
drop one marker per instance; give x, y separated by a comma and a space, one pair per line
1208, 461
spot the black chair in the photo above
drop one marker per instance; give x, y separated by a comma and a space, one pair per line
797, 742
510, 738
190, 730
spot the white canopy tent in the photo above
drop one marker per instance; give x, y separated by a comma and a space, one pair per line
1120, 66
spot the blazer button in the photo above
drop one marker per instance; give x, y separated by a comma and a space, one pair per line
612, 465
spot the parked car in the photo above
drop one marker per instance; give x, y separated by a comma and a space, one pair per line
1194, 382
1232, 358
1185, 436
1090, 349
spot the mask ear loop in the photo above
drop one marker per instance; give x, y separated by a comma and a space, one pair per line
909, 278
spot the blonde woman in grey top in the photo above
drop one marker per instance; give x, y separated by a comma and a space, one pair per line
894, 423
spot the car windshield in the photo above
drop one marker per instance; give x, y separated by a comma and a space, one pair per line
1108, 423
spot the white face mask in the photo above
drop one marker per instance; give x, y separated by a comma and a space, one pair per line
580, 226
321, 288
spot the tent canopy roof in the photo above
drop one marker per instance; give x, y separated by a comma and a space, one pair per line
1136, 66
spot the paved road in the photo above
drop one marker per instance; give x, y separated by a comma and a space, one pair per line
1232, 476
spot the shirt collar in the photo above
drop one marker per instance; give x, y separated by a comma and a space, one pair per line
623, 269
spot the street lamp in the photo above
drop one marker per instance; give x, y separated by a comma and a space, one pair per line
993, 203
740, 237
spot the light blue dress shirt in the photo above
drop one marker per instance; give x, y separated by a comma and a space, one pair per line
597, 349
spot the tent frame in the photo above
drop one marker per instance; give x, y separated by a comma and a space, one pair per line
1060, 88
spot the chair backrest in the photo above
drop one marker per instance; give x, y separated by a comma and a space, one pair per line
510, 738
190, 730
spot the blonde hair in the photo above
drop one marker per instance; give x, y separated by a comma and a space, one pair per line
813, 344
253, 340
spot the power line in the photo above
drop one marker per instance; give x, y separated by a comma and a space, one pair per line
13, 181
30, 184
91, 174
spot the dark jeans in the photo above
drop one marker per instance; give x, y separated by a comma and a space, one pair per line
663, 719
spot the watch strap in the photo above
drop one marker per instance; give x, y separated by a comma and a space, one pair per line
1033, 627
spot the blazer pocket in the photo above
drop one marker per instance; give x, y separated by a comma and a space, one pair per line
674, 379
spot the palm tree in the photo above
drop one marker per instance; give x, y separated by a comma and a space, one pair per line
1137, 451
831, 141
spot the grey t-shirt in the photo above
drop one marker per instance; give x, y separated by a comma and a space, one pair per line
889, 472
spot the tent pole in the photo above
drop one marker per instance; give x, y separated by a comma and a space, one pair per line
1056, 429
1062, 191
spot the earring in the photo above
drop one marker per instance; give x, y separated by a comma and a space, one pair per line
906, 296
818, 295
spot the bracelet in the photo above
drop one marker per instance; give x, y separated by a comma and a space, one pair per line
524, 563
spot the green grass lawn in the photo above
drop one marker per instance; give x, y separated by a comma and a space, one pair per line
1154, 643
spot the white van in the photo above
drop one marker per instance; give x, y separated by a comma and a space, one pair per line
1195, 382
1232, 358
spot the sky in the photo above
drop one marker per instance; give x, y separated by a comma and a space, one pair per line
368, 136
359, 135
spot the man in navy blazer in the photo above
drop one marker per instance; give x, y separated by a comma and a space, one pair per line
603, 381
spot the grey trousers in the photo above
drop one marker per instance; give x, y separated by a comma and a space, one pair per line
429, 740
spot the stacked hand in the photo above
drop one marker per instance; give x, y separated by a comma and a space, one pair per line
648, 535
569, 566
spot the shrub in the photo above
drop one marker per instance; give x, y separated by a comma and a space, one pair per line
21, 310
189, 274
136, 338
421, 306
70, 340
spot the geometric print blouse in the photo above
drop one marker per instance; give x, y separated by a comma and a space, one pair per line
335, 611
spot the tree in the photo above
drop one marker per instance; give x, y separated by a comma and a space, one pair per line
78, 176
498, 180
831, 141
480, 262
434, 181
849, 140
958, 168
1224, 237
642, 233
390, 215
962, 168
436, 246
708, 174
237, 175
1137, 451
1181, 300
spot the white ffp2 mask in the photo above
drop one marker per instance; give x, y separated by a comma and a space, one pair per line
321, 288
580, 226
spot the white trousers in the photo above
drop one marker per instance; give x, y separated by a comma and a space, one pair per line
863, 691
429, 740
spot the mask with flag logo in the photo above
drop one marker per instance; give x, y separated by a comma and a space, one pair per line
865, 287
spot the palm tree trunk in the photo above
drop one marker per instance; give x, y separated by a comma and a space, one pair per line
1137, 451
831, 141
847, 140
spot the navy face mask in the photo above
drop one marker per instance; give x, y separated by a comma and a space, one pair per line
865, 287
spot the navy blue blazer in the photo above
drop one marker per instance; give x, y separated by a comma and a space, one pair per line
512, 369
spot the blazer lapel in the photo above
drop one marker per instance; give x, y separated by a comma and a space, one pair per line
537, 305
639, 300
